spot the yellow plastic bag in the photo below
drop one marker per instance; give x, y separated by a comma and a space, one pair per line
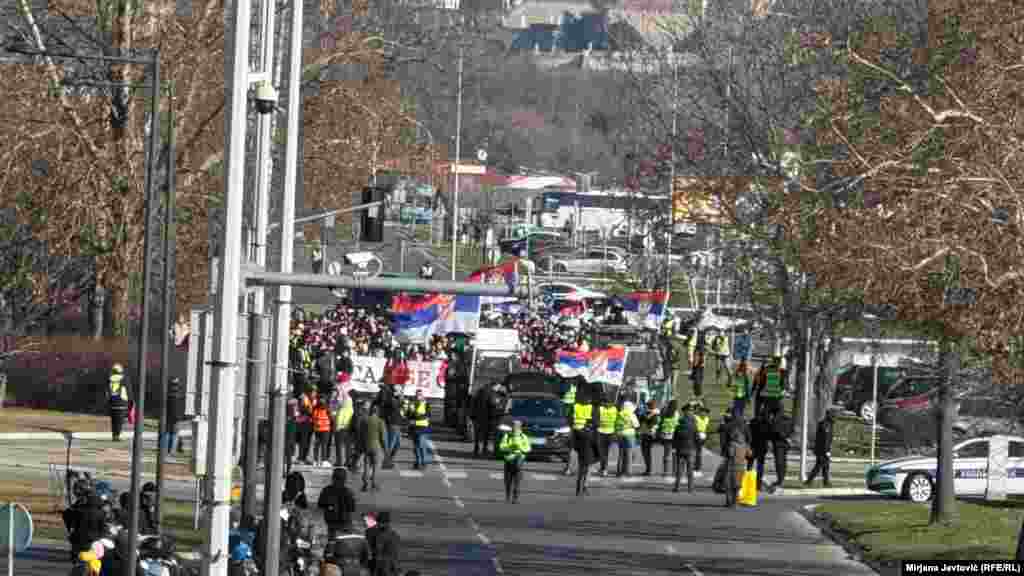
748, 489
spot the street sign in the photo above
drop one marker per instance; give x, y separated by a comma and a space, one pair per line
15, 527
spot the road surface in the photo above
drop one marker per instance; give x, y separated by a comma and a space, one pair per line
453, 520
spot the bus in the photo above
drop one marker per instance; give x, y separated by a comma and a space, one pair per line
599, 210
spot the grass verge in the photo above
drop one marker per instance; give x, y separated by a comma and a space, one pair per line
888, 531
46, 508
30, 420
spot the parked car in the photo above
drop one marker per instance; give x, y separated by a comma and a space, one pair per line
913, 477
592, 261
544, 423
567, 291
538, 242
855, 387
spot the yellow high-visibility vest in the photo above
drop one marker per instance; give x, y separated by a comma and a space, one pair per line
607, 417
581, 415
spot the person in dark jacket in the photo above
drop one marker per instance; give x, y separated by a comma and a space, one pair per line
349, 551
389, 409
327, 371
175, 413
338, 503
358, 436
684, 442
86, 523
823, 450
384, 546
484, 413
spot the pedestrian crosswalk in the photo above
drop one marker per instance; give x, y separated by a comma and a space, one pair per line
535, 476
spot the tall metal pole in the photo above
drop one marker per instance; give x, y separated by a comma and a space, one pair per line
131, 558
256, 381
671, 185
874, 402
224, 372
168, 311
282, 320
458, 158
806, 415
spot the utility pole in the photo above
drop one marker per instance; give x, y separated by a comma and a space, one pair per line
279, 387
224, 367
168, 311
256, 381
458, 158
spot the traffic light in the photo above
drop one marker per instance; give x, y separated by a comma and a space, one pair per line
372, 222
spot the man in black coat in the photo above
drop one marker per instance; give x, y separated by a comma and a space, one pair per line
338, 503
684, 442
823, 450
389, 409
385, 546
484, 415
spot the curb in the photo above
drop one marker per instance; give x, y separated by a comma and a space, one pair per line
183, 432
821, 522
818, 492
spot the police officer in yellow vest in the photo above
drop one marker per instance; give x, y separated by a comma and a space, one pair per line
666, 430
569, 395
584, 427
626, 424
119, 402
720, 347
702, 418
418, 415
606, 418
514, 447
769, 387
740, 386
342, 431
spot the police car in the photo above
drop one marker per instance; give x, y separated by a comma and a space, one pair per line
913, 477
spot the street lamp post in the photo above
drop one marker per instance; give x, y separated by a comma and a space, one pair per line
153, 63
458, 158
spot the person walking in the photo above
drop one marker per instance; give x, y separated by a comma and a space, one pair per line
357, 435
769, 386
702, 419
338, 504
322, 429
388, 408
684, 442
607, 416
385, 546
374, 436
721, 350
823, 450
118, 401
291, 434
484, 409
342, 427
175, 413
736, 452
740, 386
304, 422
649, 423
584, 426
514, 447
666, 430
418, 413
626, 424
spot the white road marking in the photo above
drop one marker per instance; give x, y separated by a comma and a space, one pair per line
459, 502
410, 474
496, 476
457, 474
483, 539
543, 477
497, 565
446, 477
474, 525
693, 570
689, 565
632, 479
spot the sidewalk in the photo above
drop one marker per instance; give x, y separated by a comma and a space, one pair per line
184, 431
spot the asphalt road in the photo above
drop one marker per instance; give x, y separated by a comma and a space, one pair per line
453, 520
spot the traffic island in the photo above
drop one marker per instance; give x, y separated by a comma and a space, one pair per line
884, 532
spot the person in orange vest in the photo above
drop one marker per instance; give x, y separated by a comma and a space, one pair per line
304, 423
322, 429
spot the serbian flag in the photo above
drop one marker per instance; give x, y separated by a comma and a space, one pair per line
418, 317
601, 365
643, 308
505, 273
